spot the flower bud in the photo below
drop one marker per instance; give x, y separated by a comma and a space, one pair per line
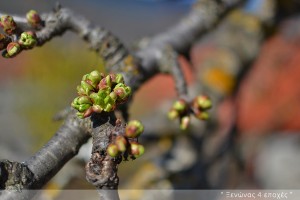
134, 129
33, 18
8, 24
136, 149
113, 96
203, 102
112, 150
121, 143
180, 105
13, 49
173, 114
93, 78
109, 108
87, 88
119, 78
97, 108
27, 40
105, 82
88, 112
122, 91
4, 41
185, 122
202, 115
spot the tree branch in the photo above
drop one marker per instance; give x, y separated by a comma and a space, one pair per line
136, 70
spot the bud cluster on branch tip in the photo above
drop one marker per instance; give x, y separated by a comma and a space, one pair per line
27, 40
34, 19
103, 93
127, 144
8, 24
182, 110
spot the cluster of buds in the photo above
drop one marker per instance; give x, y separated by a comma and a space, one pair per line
126, 143
8, 24
99, 93
26, 40
182, 109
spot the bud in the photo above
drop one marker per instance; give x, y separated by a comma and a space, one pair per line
105, 83
122, 91
81, 103
4, 40
27, 40
113, 96
185, 122
121, 143
109, 107
112, 150
97, 108
134, 129
87, 88
203, 102
88, 112
173, 114
13, 49
95, 98
119, 78
93, 78
180, 105
202, 115
8, 24
84, 100
33, 18
136, 149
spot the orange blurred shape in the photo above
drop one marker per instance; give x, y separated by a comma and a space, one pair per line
269, 96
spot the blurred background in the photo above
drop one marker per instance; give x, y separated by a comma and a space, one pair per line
252, 140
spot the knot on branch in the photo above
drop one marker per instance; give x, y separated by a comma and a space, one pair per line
14, 175
101, 171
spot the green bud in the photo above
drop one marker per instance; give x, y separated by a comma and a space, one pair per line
8, 24
119, 78
134, 129
93, 78
13, 49
202, 115
121, 143
95, 98
83, 107
113, 96
173, 114
180, 105
136, 149
109, 108
122, 91
33, 18
105, 83
27, 40
4, 41
84, 100
203, 102
87, 88
112, 150
97, 108
185, 122
80, 115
